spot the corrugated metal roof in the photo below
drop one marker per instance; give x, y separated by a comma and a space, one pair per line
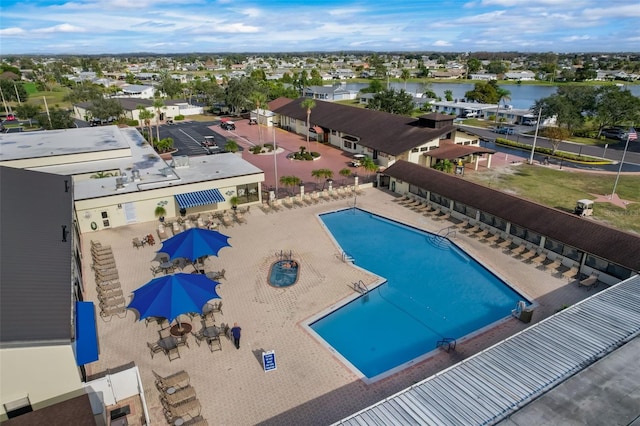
493, 384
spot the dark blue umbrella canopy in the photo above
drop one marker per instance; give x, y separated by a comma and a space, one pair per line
172, 295
194, 243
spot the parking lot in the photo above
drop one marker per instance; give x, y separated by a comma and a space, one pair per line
188, 135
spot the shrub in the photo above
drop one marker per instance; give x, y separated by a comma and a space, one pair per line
269, 146
178, 117
256, 149
133, 123
315, 154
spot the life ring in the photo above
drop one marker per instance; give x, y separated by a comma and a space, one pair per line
94, 226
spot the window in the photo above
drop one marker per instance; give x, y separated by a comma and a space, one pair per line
347, 145
606, 267
415, 150
18, 407
424, 148
105, 215
553, 246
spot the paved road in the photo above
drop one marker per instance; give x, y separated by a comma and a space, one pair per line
613, 152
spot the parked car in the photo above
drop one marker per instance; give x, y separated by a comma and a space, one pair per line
253, 121
10, 117
530, 122
505, 131
613, 133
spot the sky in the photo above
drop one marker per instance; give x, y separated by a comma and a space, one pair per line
222, 26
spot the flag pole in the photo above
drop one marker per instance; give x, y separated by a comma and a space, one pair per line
624, 153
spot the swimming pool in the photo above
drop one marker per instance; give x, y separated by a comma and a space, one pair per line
434, 290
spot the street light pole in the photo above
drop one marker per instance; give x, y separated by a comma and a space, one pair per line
275, 158
535, 136
624, 153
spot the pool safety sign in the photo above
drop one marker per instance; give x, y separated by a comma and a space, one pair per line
269, 360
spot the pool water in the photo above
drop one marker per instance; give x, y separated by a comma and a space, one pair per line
283, 273
434, 290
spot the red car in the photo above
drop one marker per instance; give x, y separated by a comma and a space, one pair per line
10, 117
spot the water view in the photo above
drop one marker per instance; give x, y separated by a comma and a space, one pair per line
522, 96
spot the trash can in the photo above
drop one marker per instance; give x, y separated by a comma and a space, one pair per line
525, 315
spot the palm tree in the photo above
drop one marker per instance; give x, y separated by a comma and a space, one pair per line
404, 76
145, 117
231, 146
308, 104
503, 95
158, 104
345, 173
369, 166
259, 99
322, 174
290, 181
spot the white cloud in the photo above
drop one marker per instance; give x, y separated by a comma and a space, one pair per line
62, 28
13, 31
442, 43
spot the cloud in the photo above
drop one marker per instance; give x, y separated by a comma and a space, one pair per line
62, 28
442, 43
13, 31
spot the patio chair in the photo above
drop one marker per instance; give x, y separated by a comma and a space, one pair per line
172, 353
173, 380
160, 321
182, 341
200, 222
137, 243
217, 307
217, 275
154, 348
156, 269
199, 337
214, 343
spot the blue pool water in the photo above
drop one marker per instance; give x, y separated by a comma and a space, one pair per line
433, 290
284, 273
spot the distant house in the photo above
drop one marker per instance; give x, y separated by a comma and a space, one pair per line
170, 110
520, 76
483, 77
337, 92
136, 91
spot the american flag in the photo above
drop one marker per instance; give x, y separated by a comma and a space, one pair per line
632, 134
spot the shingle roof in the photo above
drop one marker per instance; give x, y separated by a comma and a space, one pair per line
584, 234
382, 131
131, 104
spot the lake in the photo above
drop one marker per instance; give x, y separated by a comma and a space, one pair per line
522, 96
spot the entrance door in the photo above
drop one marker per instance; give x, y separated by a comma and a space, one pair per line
393, 186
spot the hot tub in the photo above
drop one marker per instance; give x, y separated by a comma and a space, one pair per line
283, 273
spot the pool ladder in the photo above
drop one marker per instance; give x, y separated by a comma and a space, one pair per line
447, 343
283, 255
360, 287
347, 258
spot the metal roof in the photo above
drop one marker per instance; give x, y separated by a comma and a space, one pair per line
35, 257
496, 382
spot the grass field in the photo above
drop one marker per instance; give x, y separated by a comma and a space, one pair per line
562, 188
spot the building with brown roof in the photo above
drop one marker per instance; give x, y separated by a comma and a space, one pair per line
575, 242
382, 136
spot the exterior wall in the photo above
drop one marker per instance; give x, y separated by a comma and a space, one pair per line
46, 374
144, 203
30, 163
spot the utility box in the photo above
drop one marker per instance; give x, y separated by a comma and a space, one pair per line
526, 315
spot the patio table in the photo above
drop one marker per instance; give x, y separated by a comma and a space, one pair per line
211, 331
168, 343
181, 329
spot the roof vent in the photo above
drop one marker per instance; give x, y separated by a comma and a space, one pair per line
167, 171
135, 175
180, 162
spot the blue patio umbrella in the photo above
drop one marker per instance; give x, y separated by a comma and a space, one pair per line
172, 295
194, 243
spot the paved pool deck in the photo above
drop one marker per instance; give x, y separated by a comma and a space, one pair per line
310, 386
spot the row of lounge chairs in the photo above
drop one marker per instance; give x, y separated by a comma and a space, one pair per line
110, 295
527, 252
309, 199
179, 399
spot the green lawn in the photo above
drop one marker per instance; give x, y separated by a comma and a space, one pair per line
561, 189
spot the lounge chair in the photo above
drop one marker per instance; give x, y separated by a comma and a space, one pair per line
266, 208
162, 233
112, 302
200, 222
190, 408
570, 273
137, 243
196, 421
589, 282
110, 311
288, 203
227, 221
199, 337
102, 257
214, 343
102, 288
171, 381
178, 397
105, 296
239, 217
298, 202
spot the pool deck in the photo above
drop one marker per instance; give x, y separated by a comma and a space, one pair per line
310, 386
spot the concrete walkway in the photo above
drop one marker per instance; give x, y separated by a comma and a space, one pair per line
310, 385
